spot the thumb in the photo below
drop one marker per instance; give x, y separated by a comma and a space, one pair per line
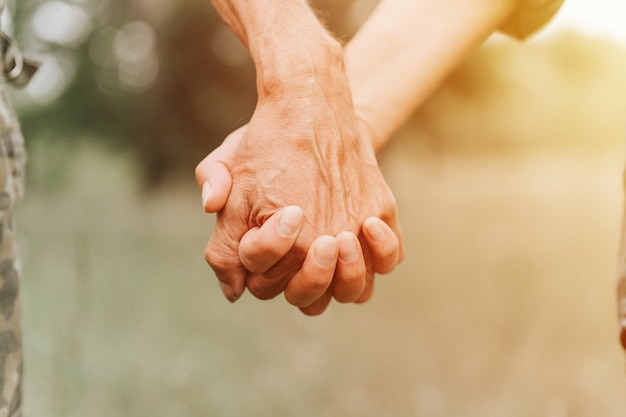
215, 181
213, 173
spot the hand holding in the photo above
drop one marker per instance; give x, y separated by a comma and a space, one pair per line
303, 147
262, 247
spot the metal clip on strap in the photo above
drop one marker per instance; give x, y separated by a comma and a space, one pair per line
17, 69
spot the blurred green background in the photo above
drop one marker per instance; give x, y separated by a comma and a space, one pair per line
508, 182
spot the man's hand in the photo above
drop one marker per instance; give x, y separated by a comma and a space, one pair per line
303, 150
293, 188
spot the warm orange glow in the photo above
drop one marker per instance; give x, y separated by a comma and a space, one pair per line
600, 18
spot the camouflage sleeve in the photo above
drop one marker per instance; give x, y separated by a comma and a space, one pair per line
12, 159
529, 17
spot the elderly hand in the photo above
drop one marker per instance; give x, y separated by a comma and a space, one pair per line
260, 248
303, 147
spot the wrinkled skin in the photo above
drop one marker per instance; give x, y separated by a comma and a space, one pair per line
304, 149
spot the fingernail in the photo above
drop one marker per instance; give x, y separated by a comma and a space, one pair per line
290, 221
375, 230
206, 193
348, 251
326, 254
228, 292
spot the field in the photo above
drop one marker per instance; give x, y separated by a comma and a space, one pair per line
504, 305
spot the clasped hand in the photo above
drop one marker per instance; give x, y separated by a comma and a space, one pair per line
302, 207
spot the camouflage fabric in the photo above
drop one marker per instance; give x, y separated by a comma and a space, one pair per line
12, 159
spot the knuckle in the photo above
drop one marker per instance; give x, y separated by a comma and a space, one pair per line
388, 205
391, 200
211, 257
247, 261
217, 258
262, 288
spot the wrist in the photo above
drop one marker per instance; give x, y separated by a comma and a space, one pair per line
298, 63
289, 46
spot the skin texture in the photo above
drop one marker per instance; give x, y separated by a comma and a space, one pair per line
303, 146
297, 191
262, 184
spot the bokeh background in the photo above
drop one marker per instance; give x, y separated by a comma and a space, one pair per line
508, 182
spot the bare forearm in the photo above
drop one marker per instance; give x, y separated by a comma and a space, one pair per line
405, 50
285, 39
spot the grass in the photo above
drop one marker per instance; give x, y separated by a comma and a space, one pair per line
503, 307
